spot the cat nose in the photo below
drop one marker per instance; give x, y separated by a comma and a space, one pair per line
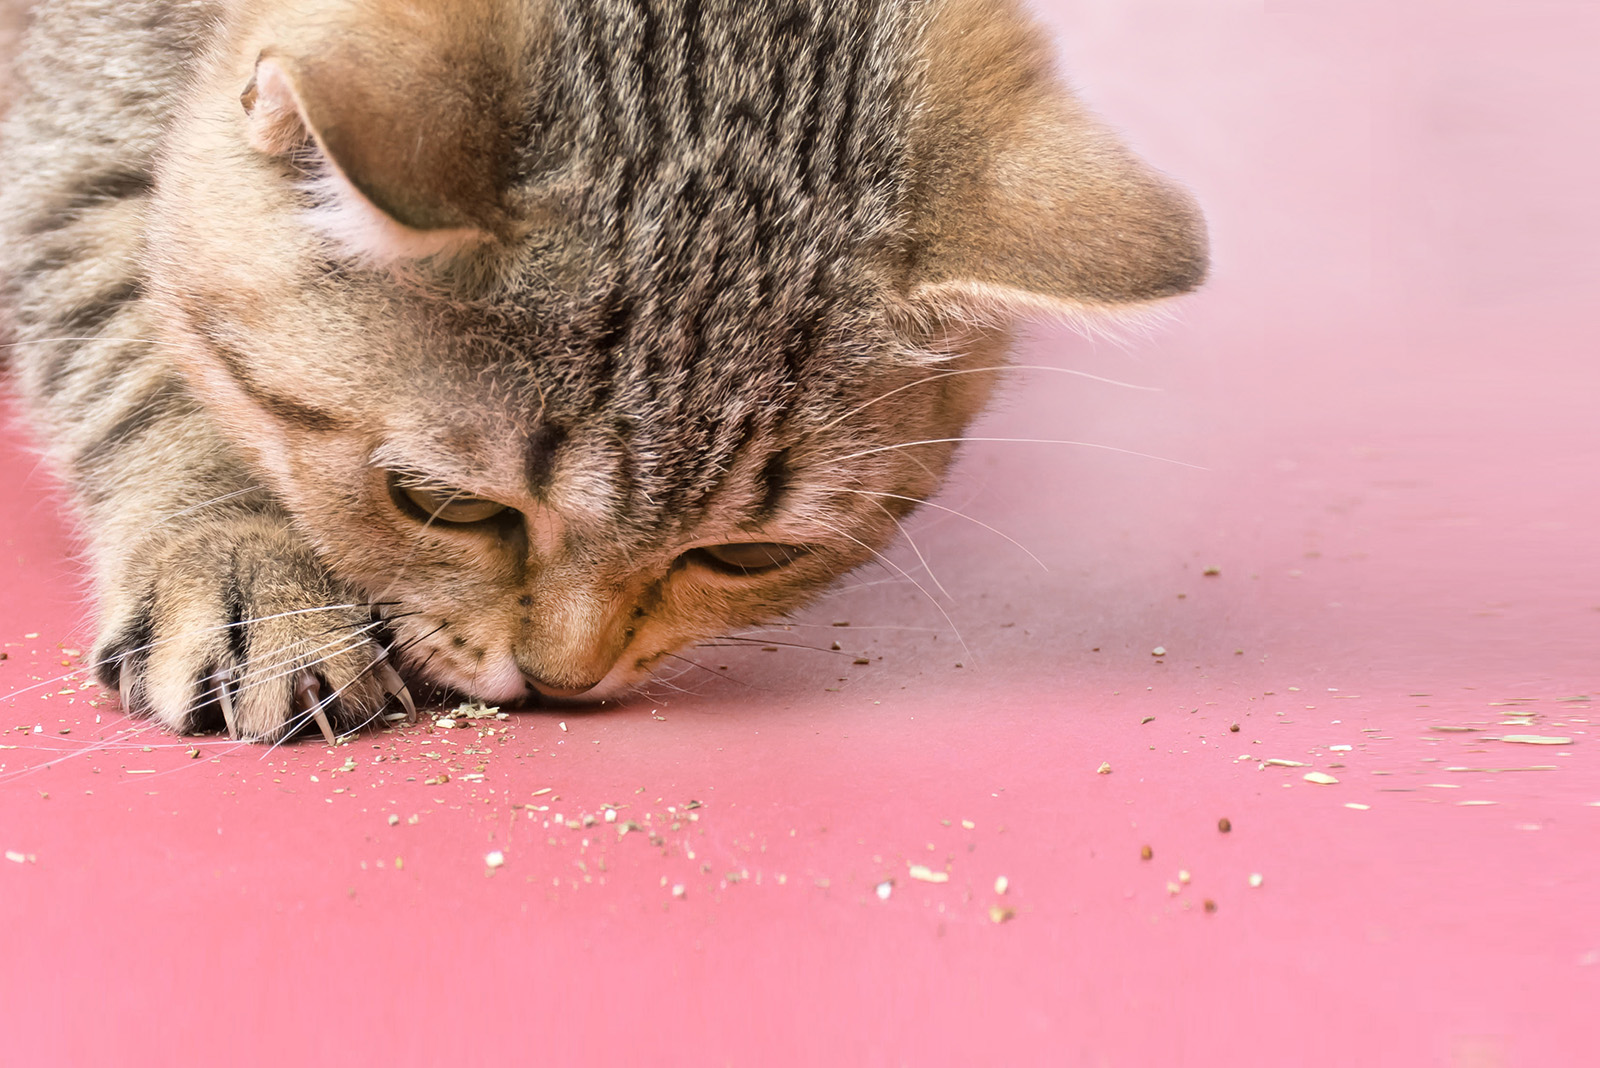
550, 689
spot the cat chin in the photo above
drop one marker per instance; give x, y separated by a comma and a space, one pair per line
501, 683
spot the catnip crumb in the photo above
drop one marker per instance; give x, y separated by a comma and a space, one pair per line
1145, 852
1211, 906
1225, 825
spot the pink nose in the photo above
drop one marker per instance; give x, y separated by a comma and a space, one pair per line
551, 690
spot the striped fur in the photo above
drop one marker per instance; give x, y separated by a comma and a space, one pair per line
660, 276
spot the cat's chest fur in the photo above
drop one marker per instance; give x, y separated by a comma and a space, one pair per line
516, 344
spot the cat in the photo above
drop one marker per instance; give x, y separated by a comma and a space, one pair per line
508, 346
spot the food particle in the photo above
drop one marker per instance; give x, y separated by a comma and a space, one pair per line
1321, 778
969, 825
926, 874
1104, 769
1001, 914
1357, 805
611, 815
1160, 650
1534, 739
1211, 906
884, 889
1147, 719
1001, 885
16, 858
1255, 879
1185, 878
1233, 728
563, 726
1277, 763
1212, 572
495, 859
1225, 825
1174, 889
393, 820
447, 723
1145, 852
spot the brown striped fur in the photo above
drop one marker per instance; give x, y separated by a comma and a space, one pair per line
660, 276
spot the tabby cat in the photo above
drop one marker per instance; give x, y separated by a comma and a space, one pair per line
509, 345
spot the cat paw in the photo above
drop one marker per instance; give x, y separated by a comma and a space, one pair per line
233, 624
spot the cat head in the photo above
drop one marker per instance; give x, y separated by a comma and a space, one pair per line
575, 331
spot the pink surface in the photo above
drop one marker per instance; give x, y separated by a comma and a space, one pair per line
1388, 391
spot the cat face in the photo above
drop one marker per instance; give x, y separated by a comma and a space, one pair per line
572, 333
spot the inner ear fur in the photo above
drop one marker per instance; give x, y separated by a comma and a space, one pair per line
414, 105
1022, 198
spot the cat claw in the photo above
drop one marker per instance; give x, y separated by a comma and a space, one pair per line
225, 699
125, 689
308, 701
395, 687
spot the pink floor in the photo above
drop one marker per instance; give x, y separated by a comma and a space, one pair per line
1389, 396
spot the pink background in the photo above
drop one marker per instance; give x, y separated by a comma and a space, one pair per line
1389, 395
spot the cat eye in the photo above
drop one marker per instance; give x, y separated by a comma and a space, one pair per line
748, 557
443, 506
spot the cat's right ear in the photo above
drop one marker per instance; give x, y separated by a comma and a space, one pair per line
408, 137
1024, 202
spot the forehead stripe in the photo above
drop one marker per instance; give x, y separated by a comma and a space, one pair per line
284, 409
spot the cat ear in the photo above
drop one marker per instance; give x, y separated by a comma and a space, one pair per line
410, 134
1024, 201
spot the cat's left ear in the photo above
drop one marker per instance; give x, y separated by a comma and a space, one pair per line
1024, 202
407, 122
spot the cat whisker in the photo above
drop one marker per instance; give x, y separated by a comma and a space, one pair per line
907, 576
734, 641
207, 504
1019, 441
996, 369
950, 511
711, 671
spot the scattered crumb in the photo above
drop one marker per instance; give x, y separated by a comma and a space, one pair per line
1160, 650
393, 819
884, 889
1534, 739
1001, 885
1233, 728
1145, 852
1255, 879
1225, 825
1001, 914
679, 890
1211, 906
1321, 778
926, 874
495, 859
1358, 806
1185, 878
1103, 769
